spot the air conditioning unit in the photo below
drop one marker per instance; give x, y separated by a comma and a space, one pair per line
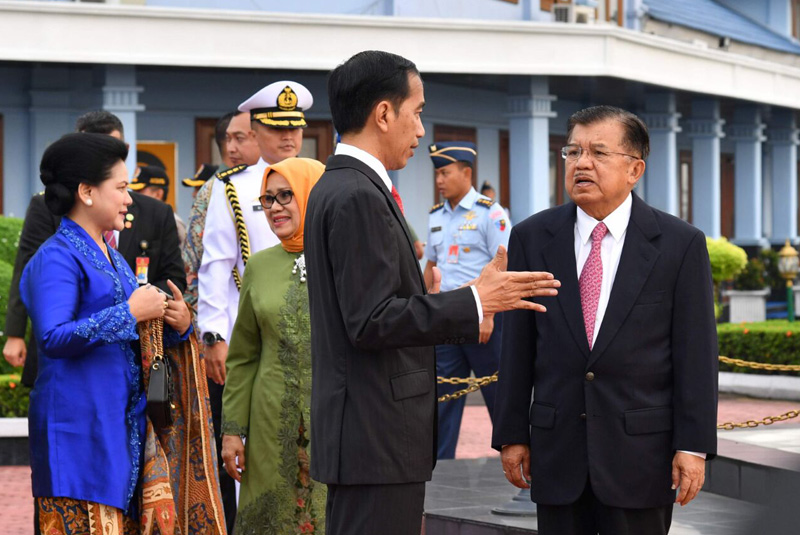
571, 13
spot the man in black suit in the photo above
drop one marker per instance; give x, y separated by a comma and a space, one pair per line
373, 400
623, 367
147, 220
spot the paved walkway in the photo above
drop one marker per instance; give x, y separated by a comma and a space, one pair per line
16, 509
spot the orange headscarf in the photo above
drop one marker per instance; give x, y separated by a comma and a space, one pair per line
301, 174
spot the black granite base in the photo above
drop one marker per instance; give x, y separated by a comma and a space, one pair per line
462, 494
751, 473
14, 451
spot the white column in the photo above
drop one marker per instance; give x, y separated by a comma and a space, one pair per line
705, 129
661, 175
529, 108
121, 97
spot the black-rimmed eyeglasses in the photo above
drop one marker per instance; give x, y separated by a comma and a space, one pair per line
572, 153
283, 198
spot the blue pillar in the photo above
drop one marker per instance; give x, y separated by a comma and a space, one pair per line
50, 118
783, 141
661, 174
705, 129
121, 97
529, 145
747, 133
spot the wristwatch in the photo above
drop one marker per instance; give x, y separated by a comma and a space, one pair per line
211, 338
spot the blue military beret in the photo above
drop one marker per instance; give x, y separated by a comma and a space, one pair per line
447, 152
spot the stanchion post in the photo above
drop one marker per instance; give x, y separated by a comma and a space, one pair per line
520, 505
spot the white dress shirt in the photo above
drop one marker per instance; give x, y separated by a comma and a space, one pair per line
375, 164
610, 253
610, 250
217, 294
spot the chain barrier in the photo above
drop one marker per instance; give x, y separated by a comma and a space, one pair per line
476, 383
769, 420
761, 365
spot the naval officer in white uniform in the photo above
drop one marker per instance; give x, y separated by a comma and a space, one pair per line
235, 224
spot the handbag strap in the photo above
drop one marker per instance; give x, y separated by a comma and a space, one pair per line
158, 342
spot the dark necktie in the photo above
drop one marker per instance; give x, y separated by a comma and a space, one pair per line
398, 200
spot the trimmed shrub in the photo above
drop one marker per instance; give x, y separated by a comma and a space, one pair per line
751, 277
727, 260
10, 230
13, 397
6, 271
773, 277
769, 342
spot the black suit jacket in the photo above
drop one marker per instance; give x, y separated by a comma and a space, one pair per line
615, 414
373, 400
153, 221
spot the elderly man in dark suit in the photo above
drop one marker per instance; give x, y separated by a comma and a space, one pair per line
623, 367
373, 400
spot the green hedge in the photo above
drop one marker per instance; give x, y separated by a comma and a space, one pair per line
771, 342
13, 397
10, 229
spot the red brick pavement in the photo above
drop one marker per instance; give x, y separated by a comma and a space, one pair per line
16, 510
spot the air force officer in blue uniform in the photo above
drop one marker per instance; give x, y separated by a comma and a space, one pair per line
464, 233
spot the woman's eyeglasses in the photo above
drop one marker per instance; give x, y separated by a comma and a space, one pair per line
283, 198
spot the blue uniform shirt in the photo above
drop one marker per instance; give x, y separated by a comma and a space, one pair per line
463, 240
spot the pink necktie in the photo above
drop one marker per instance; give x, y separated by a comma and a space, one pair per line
398, 200
591, 281
110, 239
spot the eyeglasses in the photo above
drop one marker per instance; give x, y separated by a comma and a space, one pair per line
572, 153
283, 198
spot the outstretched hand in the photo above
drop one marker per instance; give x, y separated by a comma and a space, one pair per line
500, 290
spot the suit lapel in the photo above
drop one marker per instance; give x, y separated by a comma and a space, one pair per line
127, 238
639, 256
355, 163
559, 256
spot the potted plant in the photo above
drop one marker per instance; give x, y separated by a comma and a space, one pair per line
727, 260
748, 298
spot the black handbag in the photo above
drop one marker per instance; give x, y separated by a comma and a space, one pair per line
159, 388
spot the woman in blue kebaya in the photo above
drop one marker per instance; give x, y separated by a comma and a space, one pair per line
87, 411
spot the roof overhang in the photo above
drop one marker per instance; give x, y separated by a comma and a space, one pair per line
136, 35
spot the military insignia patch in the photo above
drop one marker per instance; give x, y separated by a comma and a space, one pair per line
287, 99
222, 175
501, 224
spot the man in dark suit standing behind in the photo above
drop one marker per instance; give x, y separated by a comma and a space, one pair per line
372, 324
623, 367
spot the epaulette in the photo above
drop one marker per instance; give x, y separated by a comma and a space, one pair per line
485, 202
436, 207
227, 173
